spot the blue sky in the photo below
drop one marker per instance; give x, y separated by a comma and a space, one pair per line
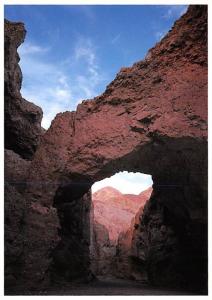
72, 52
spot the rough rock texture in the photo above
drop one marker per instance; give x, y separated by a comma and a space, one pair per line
103, 251
128, 264
169, 241
22, 118
152, 119
115, 210
16, 170
14, 207
71, 256
113, 213
22, 136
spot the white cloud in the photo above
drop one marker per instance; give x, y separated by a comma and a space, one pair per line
45, 85
62, 93
86, 52
63, 80
125, 182
172, 11
59, 86
175, 11
160, 34
51, 99
89, 79
115, 39
50, 115
29, 48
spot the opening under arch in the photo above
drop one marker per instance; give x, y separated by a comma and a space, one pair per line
117, 205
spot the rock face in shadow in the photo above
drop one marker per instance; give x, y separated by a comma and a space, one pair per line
14, 208
16, 169
128, 263
22, 136
22, 118
168, 238
113, 214
71, 256
152, 119
103, 251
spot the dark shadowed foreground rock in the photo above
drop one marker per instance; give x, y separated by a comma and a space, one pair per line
22, 136
103, 251
71, 256
128, 263
14, 236
16, 169
152, 119
22, 118
170, 239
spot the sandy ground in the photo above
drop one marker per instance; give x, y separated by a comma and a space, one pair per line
112, 286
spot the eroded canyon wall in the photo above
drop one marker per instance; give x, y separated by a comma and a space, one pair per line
113, 213
71, 257
152, 119
171, 242
129, 264
22, 118
22, 135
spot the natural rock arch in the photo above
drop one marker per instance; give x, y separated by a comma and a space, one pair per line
152, 119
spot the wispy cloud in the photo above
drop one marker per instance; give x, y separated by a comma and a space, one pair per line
43, 82
160, 34
174, 11
115, 39
85, 50
88, 80
30, 48
59, 86
125, 182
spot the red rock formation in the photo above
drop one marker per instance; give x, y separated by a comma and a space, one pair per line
152, 119
127, 258
113, 213
115, 210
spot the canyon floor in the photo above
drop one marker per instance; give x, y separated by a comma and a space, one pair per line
112, 286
